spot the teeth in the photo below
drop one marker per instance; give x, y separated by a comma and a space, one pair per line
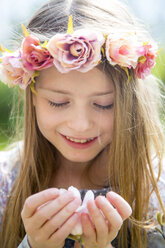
79, 141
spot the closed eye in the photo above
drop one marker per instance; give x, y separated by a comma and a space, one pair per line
55, 104
110, 106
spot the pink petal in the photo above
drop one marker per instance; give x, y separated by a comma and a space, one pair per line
124, 50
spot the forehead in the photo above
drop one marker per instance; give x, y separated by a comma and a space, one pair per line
75, 82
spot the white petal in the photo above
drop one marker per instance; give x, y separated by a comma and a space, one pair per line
82, 209
88, 196
75, 191
77, 230
62, 191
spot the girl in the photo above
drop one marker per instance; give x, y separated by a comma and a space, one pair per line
90, 120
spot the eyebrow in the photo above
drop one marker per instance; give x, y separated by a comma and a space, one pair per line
69, 93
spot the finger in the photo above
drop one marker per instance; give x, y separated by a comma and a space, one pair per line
63, 232
47, 211
110, 213
88, 228
120, 204
99, 222
36, 200
60, 218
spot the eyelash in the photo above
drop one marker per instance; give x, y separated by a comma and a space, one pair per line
104, 107
58, 105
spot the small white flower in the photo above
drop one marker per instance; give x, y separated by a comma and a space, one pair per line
77, 230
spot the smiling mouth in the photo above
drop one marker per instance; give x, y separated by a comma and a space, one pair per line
80, 141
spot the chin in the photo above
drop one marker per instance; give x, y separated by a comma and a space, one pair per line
80, 159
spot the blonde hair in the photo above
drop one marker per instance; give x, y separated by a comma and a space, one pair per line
137, 133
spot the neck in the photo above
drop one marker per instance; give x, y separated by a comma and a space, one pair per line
67, 165
74, 173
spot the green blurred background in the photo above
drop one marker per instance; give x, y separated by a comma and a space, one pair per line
150, 11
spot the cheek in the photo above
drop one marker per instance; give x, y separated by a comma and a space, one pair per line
44, 122
107, 122
46, 119
110, 123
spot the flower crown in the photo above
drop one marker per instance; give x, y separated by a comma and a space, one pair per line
81, 50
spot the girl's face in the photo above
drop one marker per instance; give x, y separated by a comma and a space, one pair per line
75, 112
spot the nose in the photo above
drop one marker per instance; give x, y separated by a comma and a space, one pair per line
80, 120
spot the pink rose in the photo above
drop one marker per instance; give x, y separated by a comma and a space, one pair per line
12, 71
78, 51
34, 56
122, 50
146, 61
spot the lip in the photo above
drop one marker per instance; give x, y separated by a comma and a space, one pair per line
78, 145
79, 138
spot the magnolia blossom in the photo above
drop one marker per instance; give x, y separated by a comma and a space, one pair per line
78, 51
34, 56
12, 71
122, 50
77, 230
147, 55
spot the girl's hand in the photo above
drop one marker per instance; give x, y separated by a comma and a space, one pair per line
103, 228
49, 217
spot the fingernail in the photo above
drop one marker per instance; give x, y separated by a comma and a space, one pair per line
103, 199
113, 194
54, 191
